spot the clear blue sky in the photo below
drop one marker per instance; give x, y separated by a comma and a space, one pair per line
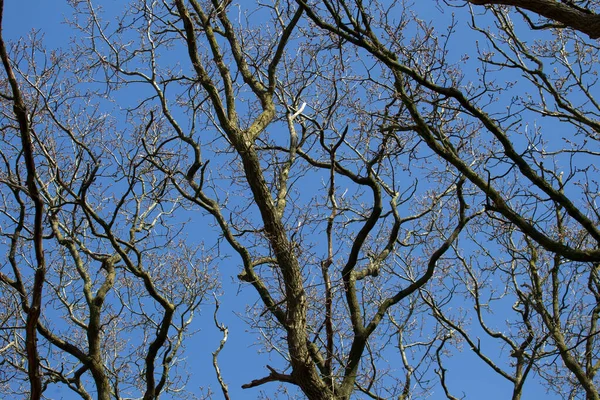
239, 361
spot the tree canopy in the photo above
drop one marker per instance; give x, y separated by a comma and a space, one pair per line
399, 183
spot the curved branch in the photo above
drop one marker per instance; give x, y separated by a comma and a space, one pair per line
577, 18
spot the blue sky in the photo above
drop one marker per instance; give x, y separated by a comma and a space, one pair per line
239, 361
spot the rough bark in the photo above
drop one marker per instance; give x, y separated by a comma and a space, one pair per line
577, 18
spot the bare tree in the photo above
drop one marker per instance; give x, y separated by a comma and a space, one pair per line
539, 203
97, 288
390, 199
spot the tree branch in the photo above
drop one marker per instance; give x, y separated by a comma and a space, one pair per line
573, 17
